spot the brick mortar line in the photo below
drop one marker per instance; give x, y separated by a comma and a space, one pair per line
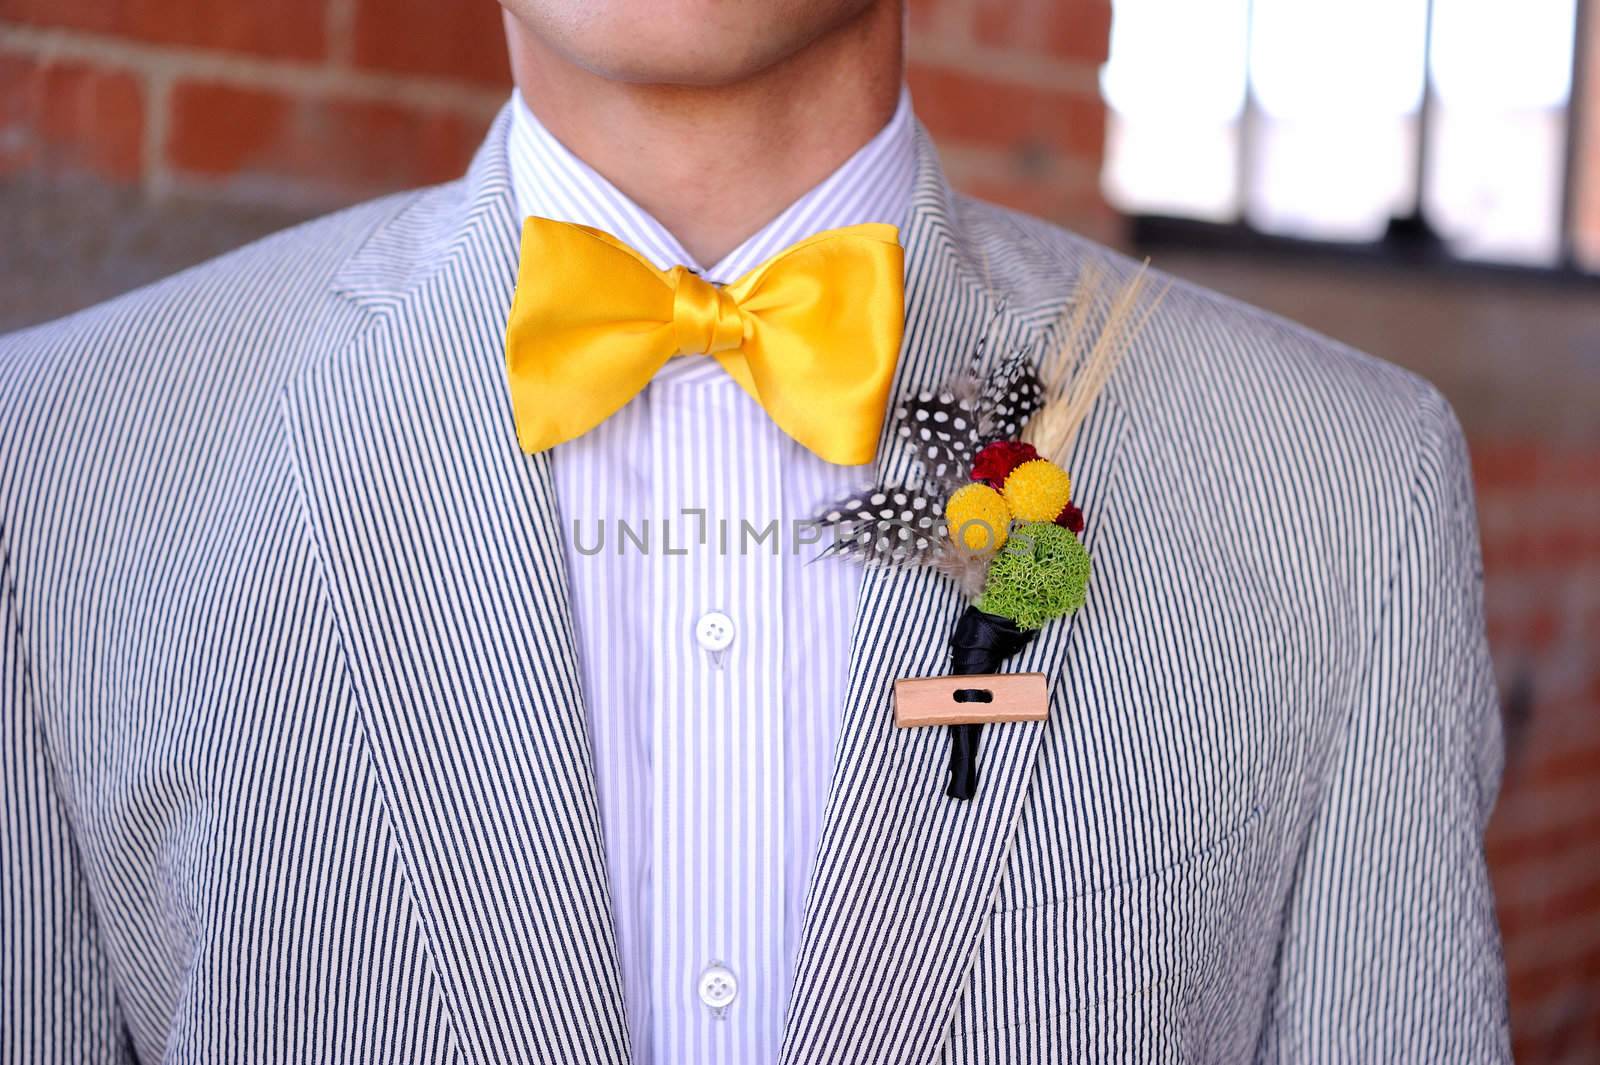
289, 76
339, 26
157, 104
997, 164
1546, 1018
1012, 68
309, 197
953, 17
1571, 943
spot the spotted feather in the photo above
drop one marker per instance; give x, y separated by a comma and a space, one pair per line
886, 525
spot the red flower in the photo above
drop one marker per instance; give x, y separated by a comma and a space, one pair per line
994, 462
1071, 518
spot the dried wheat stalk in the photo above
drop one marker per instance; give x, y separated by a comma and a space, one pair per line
1096, 331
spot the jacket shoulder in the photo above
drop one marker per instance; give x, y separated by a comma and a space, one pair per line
1319, 455
1204, 357
251, 286
191, 361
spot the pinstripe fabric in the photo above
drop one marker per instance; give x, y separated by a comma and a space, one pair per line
711, 769
296, 763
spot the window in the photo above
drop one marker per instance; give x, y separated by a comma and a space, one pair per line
1329, 120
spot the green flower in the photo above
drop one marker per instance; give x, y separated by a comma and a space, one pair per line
1042, 574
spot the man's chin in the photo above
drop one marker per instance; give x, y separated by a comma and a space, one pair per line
689, 63
683, 43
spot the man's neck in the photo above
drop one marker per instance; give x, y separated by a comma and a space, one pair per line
713, 164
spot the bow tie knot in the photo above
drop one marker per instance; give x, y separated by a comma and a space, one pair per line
705, 318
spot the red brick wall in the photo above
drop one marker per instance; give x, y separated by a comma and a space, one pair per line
308, 103
1539, 509
315, 102
304, 103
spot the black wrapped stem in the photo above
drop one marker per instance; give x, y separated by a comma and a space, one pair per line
980, 644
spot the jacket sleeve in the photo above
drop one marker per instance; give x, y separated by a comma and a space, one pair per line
56, 997
1390, 948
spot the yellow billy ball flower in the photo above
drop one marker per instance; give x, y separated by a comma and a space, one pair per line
978, 517
1038, 490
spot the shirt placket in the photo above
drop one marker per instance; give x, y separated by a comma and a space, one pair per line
717, 707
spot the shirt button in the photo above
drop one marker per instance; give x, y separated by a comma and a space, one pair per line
718, 986
714, 631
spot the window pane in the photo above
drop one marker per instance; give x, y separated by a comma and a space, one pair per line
1175, 84
1515, 57
1502, 81
1337, 87
1314, 60
1187, 169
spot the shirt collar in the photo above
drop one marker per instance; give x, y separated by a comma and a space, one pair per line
873, 185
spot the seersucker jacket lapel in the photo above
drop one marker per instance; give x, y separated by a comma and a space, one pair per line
444, 566
904, 876
441, 545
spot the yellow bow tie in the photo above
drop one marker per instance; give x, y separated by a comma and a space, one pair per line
812, 334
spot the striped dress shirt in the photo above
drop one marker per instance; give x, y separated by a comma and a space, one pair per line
712, 762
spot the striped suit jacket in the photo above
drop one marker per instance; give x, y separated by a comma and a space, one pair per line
295, 764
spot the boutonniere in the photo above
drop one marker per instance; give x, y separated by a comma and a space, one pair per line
992, 504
